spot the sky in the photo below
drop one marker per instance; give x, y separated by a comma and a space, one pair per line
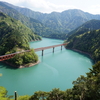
48, 6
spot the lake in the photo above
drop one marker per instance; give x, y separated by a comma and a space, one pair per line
55, 70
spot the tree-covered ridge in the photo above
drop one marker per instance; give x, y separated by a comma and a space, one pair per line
18, 16
84, 88
53, 25
25, 59
35, 25
89, 25
65, 21
13, 33
88, 42
14, 36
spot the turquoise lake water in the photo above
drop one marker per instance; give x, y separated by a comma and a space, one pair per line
55, 70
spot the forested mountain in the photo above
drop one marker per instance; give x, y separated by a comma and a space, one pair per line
53, 25
86, 38
14, 36
88, 42
34, 24
89, 25
65, 21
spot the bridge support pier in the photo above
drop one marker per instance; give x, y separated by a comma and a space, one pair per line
42, 52
61, 47
53, 49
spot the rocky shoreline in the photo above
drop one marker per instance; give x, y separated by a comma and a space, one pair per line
29, 65
22, 66
83, 53
79, 51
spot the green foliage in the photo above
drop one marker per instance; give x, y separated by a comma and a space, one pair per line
89, 25
3, 94
14, 34
56, 94
88, 88
25, 97
35, 25
40, 95
88, 42
24, 58
14, 37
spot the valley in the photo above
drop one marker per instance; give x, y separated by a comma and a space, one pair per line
67, 74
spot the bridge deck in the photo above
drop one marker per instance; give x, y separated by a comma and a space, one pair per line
43, 48
8, 56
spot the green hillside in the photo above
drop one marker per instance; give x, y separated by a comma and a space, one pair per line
53, 25
89, 25
63, 22
86, 39
88, 42
14, 36
34, 24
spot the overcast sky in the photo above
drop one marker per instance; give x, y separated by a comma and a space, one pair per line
48, 6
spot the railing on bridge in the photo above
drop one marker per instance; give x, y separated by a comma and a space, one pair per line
8, 56
44, 48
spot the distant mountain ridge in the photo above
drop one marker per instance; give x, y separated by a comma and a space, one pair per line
34, 24
66, 20
88, 26
53, 25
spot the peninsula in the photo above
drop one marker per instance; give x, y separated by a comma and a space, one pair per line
15, 37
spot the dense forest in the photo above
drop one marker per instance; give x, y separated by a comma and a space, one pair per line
14, 37
88, 42
86, 39
84, 88
65, 21
53, 25
35, 25
88, 26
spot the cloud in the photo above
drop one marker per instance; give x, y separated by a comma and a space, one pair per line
48, 6
94, 9
41, 5
59, 8
11, 1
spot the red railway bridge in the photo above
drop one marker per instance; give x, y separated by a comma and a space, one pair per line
8, 56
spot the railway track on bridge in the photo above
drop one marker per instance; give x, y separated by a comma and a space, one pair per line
8, 56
